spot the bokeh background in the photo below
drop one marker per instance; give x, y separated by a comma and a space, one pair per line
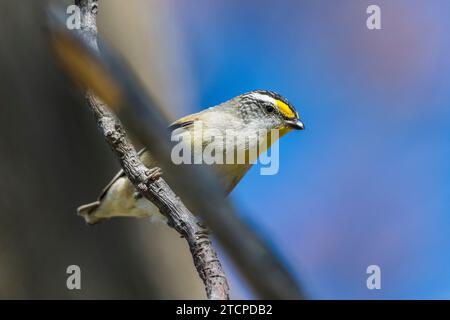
367, 182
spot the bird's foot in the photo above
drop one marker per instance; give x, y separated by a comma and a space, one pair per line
154, 174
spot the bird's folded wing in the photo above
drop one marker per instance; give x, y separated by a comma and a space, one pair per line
117, 176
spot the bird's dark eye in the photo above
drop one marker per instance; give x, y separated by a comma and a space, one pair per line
269, 109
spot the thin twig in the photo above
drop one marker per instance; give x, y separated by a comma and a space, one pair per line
149, 183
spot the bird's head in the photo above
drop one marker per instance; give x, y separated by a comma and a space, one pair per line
267, 110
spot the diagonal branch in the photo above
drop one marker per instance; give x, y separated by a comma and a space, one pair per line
149, 183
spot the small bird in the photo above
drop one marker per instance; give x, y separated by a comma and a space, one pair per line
244, 115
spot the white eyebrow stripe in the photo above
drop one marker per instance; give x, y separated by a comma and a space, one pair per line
263, 97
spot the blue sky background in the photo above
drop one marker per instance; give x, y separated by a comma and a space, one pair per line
368, 181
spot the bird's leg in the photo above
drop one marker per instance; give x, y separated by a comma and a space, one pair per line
153, 174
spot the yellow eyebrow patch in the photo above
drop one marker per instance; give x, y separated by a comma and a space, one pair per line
285, 109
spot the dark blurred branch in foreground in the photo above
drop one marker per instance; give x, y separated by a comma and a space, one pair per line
149, 183
107, 76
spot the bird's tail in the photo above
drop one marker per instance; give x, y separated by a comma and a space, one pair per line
86, 211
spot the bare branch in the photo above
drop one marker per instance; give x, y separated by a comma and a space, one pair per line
149, 183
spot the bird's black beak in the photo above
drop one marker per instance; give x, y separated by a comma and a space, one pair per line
295, 124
